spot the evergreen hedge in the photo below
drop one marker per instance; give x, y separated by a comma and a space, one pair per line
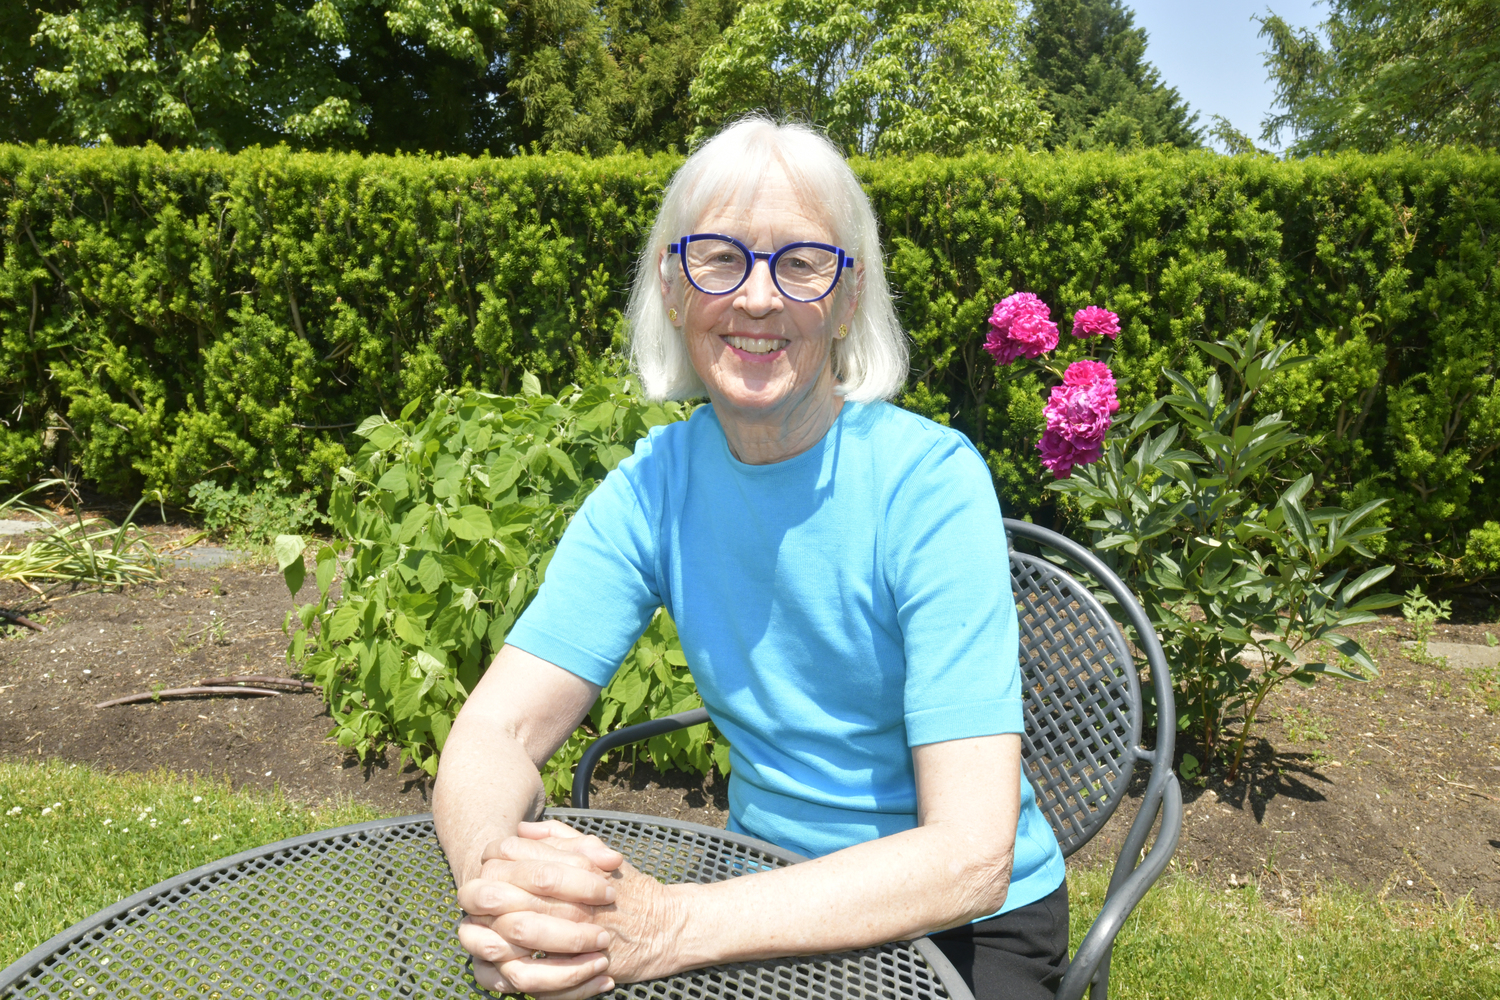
169, 318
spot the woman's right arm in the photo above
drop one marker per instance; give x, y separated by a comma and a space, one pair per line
519, 713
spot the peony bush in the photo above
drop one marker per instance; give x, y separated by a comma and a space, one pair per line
1079, 410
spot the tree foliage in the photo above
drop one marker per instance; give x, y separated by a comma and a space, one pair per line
1088, 60
455, 77
1390, 72
882, 76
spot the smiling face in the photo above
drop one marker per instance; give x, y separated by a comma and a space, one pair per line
762, 355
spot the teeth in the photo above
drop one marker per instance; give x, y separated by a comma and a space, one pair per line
757, 345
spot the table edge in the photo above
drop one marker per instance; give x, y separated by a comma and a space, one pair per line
947, 975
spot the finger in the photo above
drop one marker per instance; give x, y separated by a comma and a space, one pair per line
487, 975
484, 944
559, 881
518, 849
492, 897
566, 838
543, 829
531, 931
562, 974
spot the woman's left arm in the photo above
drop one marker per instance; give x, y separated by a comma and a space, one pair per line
953, 867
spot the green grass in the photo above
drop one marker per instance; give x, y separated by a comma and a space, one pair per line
1187, 940
107, 836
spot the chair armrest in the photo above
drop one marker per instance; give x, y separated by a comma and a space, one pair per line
624, 737
1096, 945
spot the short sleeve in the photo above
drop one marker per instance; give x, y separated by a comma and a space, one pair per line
600, 590
949, 572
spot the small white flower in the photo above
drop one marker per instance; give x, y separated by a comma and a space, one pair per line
214, 837
13, 811
187, 821
108, 821
197, 798
46, 811
103, 961
125, 830
57, 805
18, 887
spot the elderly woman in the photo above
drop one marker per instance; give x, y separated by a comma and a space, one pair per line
837, 570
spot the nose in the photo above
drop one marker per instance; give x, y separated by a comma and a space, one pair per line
758, 295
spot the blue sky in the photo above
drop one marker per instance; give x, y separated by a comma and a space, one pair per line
1210, 51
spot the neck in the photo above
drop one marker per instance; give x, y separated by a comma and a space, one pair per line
760, 437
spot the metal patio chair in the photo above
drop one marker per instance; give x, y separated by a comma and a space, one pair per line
1084, 715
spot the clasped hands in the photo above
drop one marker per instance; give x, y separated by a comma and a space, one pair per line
562, 916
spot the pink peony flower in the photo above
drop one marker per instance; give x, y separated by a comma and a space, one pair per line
1059, 455
1096, 376
1091, 321
1078, 416
1020, 326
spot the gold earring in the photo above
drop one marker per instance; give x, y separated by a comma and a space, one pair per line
843, 330
672, 315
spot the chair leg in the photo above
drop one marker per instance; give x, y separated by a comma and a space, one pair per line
1099, 989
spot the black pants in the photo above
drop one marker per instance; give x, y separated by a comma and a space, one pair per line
1020, 955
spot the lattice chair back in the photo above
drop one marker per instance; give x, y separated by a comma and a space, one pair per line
1083, 700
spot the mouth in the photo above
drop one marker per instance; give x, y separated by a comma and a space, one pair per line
759, 347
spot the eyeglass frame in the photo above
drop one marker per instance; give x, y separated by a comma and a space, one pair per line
751, 256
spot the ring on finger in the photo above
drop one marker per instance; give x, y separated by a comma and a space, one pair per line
539, 954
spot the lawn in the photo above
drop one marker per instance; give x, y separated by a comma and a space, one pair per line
75, 840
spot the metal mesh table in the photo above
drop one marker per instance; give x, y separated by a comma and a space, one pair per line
369, 911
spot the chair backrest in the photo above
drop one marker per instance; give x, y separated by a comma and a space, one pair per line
1083, 705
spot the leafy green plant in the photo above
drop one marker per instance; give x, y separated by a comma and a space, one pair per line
254, 518
87, 551
1239, 579
1423, 614
167, 315
449, 521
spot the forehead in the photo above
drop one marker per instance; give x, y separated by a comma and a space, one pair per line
771, 206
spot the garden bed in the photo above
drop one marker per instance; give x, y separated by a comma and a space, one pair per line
1392, 785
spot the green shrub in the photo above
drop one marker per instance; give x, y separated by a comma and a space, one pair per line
1206, 521
167, 318
253, 518
450, 519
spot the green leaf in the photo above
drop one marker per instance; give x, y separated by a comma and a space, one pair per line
344, 622
530, 385
409, 630
472, 524
430, 573
288, 551
327, 564
394, 478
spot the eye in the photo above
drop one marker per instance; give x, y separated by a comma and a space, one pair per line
796, 263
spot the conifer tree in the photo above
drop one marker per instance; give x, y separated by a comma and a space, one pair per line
1088, 59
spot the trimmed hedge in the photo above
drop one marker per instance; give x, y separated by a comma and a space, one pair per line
168, 318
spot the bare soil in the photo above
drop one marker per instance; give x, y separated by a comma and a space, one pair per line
1392, 785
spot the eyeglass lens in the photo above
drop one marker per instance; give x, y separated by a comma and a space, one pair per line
801, 273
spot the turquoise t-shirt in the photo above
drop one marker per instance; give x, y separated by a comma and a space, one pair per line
836, 610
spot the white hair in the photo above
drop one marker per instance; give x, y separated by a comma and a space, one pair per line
871, 362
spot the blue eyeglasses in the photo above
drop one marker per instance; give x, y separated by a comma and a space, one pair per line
717, 265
